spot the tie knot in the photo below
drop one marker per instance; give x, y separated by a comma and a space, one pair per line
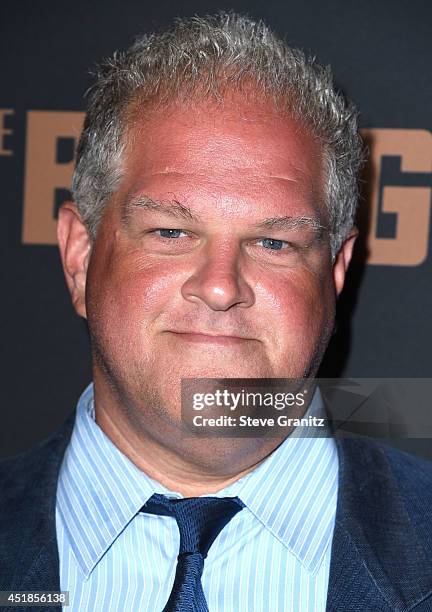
199, 519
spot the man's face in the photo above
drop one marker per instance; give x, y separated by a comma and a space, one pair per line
209, 260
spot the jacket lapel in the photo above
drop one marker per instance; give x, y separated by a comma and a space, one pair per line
29, 555
379, 561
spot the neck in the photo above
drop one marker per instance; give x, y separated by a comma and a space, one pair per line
190, 467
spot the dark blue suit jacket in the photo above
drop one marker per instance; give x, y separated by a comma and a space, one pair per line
382, 545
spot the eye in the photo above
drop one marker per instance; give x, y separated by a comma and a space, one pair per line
169, 233
275, 245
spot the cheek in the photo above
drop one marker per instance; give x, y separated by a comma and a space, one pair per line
127, 293
144, 291
298, 308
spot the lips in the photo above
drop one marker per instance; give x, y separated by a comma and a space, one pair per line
209, 338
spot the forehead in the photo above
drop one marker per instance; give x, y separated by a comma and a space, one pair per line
235, 150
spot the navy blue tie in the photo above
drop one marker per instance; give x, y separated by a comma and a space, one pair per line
200, 520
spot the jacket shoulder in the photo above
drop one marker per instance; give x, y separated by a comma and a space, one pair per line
409, 470
378, 450
391, 477
406, 462
413, 476
27, 472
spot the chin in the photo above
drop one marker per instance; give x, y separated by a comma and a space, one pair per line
223, 371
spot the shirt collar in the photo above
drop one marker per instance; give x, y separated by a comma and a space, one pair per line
100, 490
292, 493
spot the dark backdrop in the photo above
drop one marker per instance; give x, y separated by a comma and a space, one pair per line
380, 52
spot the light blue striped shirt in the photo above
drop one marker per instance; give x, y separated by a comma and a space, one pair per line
272, 556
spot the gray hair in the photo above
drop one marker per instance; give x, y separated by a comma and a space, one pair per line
202, 58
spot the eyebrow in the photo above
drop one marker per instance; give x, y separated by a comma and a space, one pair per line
288, 222
172, 208
178, 210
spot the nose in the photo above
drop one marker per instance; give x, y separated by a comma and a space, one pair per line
217, 281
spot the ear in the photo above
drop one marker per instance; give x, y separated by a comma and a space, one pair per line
75, 246
343, 259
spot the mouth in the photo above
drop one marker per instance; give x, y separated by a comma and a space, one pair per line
210, 338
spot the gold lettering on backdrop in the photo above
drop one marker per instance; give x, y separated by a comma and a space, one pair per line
43, 173
412, 205
4, 131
